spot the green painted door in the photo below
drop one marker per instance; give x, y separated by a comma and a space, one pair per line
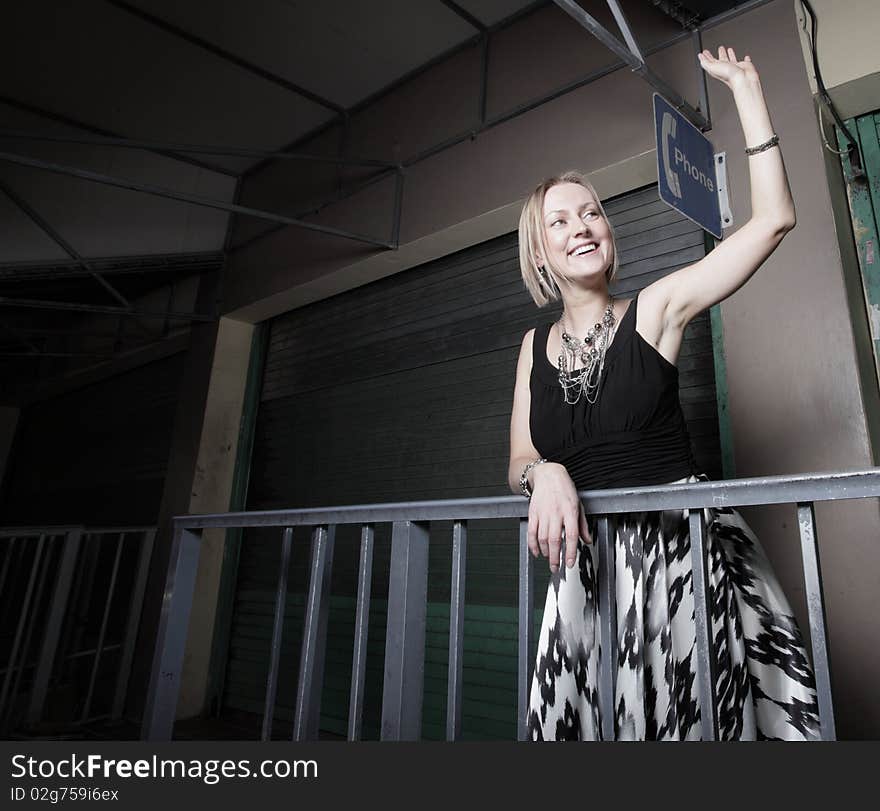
864, 205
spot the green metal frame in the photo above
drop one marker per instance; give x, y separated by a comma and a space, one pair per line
864, 205
237, 501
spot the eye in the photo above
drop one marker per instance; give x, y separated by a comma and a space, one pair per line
587, 215
556, 221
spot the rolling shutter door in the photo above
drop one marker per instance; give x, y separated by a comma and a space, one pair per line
402, 390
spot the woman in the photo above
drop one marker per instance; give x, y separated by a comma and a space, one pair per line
608, 415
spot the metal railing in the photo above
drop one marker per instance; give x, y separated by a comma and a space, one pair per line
57, 568
407, 598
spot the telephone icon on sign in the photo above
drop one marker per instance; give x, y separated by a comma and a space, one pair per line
668, 132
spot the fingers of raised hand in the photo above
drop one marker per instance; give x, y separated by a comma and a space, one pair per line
727, 55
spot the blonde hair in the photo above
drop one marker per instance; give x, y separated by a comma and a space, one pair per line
543, 282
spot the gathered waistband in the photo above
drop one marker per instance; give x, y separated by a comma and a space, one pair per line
627, 458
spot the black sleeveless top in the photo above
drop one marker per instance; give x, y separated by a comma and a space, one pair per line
635, 433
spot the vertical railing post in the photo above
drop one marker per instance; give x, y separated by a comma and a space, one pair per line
6, 561
132, 623
99, 646
277, 631
19, 631
818, 624
456, 631
706, 670
311, 663
57, 611
167, 667
36, 602
405, 633
361, 634
607, 580
526, 634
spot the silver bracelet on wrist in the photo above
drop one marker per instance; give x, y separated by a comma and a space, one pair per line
524, 477
754, 150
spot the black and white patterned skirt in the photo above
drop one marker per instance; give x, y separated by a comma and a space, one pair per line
764, 685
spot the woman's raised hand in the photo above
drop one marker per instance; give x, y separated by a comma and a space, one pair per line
726, 68
555, 507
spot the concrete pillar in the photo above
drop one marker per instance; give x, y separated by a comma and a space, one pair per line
799, 397
199, 479
211, 490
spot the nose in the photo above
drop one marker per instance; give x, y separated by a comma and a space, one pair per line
581, 227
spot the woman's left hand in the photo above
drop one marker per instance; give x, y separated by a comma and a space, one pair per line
726, 68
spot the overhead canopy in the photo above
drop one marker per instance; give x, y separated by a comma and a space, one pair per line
246, 78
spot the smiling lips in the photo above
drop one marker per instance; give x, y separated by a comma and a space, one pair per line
583, 249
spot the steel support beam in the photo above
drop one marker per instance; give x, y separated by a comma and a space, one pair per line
170, 194
188, 263
39, 354
697, 37
73, 306
340, 194
398, 209
228, 56
207, 149
623, 25
495, 121
82, 125
62, 243
402, 80
636, 64
484, 79
469, 18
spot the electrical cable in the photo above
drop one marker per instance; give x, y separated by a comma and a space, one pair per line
855, 157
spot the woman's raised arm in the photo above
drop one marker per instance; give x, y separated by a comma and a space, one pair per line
687, 292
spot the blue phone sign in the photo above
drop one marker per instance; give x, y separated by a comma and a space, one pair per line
686, 167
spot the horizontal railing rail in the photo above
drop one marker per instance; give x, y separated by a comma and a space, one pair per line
407, 597
58, 564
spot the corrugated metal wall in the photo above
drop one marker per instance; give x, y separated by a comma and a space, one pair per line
96, 455
402, 390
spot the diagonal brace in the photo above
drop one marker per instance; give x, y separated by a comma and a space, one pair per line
636, 64
171, 194
209, 149
40, 304
623, 25
63, 244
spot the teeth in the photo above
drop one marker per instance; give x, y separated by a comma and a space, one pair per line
585, 249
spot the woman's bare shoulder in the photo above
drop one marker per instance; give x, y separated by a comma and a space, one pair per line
525, 351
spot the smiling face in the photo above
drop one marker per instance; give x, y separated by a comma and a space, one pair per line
578, 239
